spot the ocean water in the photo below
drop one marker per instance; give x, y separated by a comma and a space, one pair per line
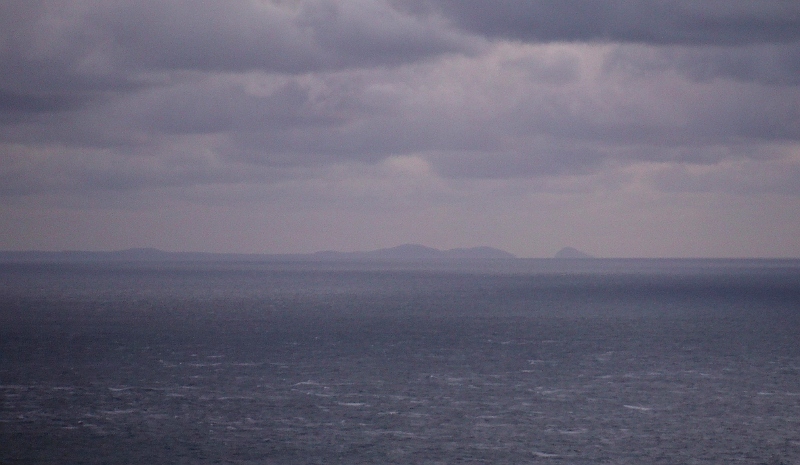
539, 361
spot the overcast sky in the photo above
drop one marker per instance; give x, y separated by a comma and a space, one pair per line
622, 128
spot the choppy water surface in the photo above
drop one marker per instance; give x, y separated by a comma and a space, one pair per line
227, 363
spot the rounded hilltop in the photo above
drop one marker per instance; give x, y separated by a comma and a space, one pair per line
570, 252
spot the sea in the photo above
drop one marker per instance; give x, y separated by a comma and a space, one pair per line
485, 362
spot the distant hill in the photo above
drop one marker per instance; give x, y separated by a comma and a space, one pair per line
418, 252
131, 255
569, 252
405, 252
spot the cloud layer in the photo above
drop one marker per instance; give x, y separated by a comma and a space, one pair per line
384, 104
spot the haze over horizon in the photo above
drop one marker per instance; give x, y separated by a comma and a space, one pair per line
620, 128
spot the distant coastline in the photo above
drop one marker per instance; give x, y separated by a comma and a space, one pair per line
406, 252
403, 254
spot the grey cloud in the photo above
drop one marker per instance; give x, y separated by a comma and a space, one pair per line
161, 88
771, 65
368, 137
239, 35
538, 161
369, 32
17, 106
364, 141
91, 170
743, 177
92, 38
55, 54
53, 47
722, 114
202, 109
734, 22
768, 64
542, 134
547, 157
290, 113
559, 70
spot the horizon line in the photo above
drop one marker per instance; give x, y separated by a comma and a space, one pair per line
311, 255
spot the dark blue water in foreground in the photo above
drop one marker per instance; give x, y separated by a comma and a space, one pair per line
579, 362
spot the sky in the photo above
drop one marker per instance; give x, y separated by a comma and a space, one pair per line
624, 128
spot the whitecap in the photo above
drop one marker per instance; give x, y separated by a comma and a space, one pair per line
638, 407
118, 411
306, 383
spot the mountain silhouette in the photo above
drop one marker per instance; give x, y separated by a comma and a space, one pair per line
569, 252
